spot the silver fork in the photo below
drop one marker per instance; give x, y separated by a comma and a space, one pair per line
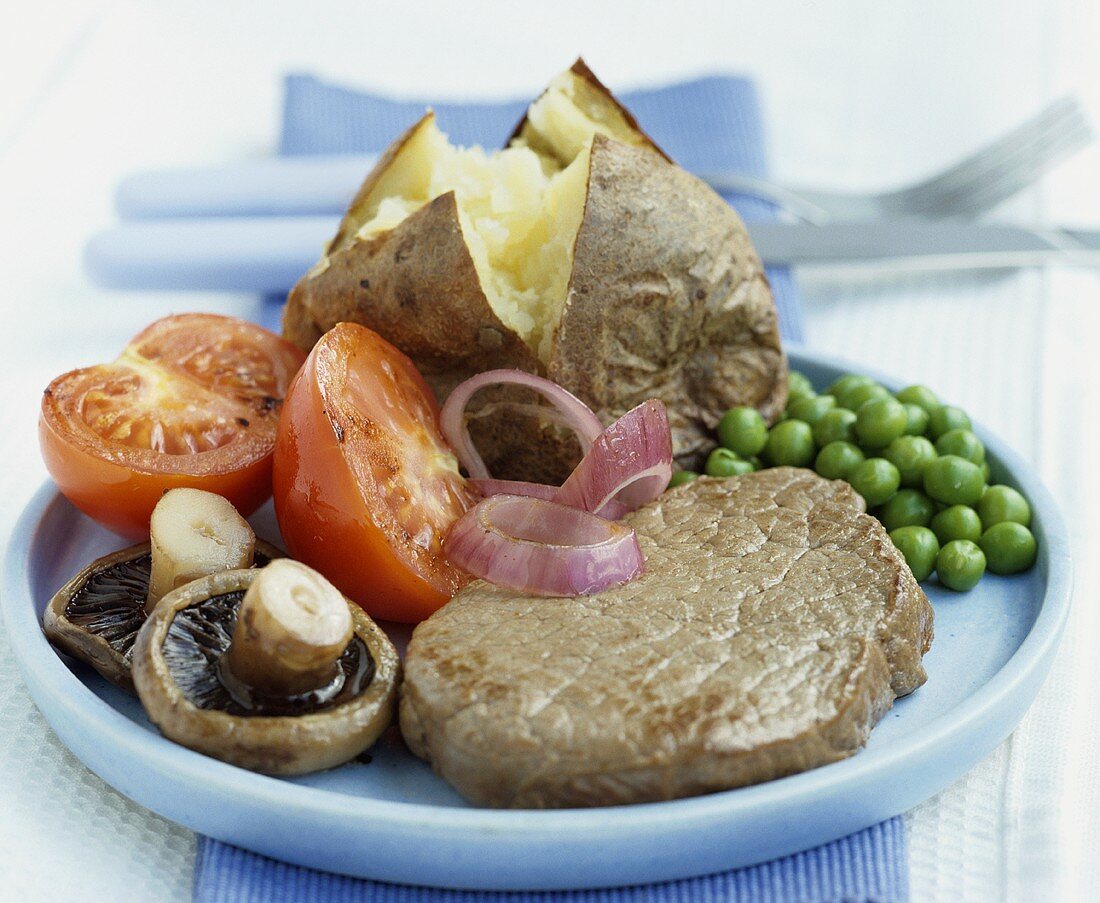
974, 185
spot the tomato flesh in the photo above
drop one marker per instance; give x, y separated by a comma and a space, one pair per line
232, 358
365, 485
168, 413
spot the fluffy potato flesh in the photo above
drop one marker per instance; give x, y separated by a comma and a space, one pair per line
519, 214
519, 208
563, 120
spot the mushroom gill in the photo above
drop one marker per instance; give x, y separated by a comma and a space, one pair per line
96, 616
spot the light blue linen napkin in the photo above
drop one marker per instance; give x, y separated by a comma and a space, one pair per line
706, 124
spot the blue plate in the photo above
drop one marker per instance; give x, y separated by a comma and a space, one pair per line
394, 820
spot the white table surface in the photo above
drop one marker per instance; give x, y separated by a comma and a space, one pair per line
859, 94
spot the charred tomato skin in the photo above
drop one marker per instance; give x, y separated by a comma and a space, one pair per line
365, 486
192, 401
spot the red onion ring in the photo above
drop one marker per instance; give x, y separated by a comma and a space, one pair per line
631, 460
613, 510
544, 548
452, 421
560, 540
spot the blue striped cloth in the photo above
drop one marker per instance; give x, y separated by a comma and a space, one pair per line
707, 124
868, 866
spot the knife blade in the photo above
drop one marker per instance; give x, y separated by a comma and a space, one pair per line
270, 253
923, 243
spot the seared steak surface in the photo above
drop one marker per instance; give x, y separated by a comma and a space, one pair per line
774, 626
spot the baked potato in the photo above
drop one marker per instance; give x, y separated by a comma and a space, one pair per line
580, 252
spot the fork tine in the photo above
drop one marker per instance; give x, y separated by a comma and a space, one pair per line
1024, 167
1059, 115
1050, 118
1029, 154
972, 186
1014, 180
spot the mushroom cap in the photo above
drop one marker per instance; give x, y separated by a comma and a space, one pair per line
96, 616
280, 744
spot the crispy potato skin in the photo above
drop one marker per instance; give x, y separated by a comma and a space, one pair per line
415, 285
667, 299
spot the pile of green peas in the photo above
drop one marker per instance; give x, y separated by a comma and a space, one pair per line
916, 462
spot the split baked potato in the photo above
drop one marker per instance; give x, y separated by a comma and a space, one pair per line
579, 252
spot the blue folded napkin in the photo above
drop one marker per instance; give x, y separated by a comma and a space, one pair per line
706, 124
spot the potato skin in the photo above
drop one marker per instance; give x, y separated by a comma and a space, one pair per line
667, 299
416, 286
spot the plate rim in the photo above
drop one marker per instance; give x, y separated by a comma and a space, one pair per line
47, 673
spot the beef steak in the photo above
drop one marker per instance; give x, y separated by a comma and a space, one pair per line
774, 626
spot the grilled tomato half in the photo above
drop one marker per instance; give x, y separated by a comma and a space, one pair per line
366, 487
193, 400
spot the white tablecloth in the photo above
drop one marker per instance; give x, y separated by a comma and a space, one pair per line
860, 94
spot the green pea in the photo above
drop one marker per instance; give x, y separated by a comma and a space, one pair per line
743, 430
953, 480
844, 384
1003, 503
835, 425
798, 386
756, 463
723, 463
962, 443
946, 418
957, 522
910, 455
918, 419
879, 421
681, 477
790, 443
908, 508
811, 410
921, 396
920, 548
960, 565
1009, 547
876, 479
836, 460
857, 396
985, 471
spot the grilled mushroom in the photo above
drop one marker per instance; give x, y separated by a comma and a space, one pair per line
194, 533
272, 670
95, 617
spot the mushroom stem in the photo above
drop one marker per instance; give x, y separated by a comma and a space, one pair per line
193, 534
292, 627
